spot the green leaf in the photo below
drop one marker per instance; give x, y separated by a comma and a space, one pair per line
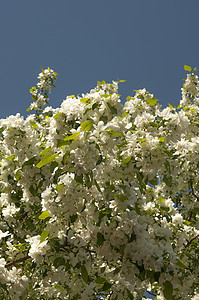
46, 159
57, 115
72, 136
89, 179
162, 139
44, 235
45, 151
45, 214
84, 100
187, 68
100, 280
33, 125
106, 286
17, 175
79, 179
59, 287
168, 180
53, 165
112, 109
128, 98
11, 157
84, 273
161, 200
113, 133
104, 119
97, 186
87, 125
33, 191
154, 181
59, 261
181, 265
30, 161
152, 101
61, 143
125, 114
122, 80
168, 290
73, 218
126, 160
100, 239
162, 149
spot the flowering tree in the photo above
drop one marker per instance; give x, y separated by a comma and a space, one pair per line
99, 198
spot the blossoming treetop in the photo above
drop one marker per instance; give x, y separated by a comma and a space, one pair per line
99, 198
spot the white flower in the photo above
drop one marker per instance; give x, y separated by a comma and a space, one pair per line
177, 219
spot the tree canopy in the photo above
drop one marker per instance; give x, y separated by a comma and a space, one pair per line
98, 198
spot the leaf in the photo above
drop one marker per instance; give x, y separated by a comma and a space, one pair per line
112, 109
45, 214
46, 159
72, 136
97, 185
100, 239
11, 157
104, 119
128, 98
162, 149
106, 286
57, 115
161, 200
30, 161
59, 287
33, 125
154, 181
45, 151
33, 191
17, 175
152, 101
100, 280
61, 143
168, 290
126, 160
181, 265
84, 273
44, 235
113, 133
84, 100
73, 218
59, 261
187, 68
87, 125
162, 139
168, 180
53, 165
79, 178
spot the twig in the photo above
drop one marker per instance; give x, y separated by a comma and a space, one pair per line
17, 261
191, 240
192, 191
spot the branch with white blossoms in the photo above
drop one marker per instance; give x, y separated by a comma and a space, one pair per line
40, 93
100, 199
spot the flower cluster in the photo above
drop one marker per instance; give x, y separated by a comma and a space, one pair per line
99, 198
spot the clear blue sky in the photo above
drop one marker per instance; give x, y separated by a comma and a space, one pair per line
145, 42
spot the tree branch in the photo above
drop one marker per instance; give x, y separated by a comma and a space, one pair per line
17, 261
191, 240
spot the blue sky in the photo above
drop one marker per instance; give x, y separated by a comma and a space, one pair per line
145, 42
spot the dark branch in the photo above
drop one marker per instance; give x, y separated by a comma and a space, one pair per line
17, 261
191, 240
